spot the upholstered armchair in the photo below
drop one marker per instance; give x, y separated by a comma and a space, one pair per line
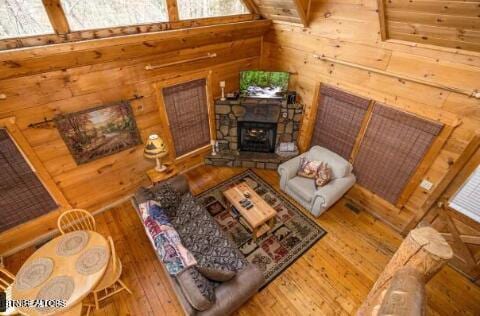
303, 190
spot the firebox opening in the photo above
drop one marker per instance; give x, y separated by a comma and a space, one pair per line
257, 136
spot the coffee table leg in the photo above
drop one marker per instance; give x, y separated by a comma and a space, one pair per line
254, 234
271, 222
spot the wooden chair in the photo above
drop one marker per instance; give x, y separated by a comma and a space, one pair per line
6, 282
110, 283
76, 219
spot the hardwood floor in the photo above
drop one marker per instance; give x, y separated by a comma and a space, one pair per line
331, 278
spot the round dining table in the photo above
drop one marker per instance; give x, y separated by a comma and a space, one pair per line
62, 272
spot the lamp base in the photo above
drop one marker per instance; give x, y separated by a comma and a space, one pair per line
160, 167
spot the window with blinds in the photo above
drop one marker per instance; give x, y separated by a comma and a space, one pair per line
391, 150
339, 119
187, 110
467, 198
22, 195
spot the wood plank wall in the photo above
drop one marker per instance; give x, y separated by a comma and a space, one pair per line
43, 82
349, 30
445, 23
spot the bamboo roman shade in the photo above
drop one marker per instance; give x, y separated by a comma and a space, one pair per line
391, 150
339, 119
22, 195
187, 110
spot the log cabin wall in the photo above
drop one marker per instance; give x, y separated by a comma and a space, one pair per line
46, 81
349, 31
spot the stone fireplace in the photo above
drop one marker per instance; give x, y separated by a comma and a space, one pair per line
250, 130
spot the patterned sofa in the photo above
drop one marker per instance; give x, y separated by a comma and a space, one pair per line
202, 236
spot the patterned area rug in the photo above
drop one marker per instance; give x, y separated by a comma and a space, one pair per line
293, 234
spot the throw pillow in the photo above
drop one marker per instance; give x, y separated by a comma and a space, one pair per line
308, 168
199, 291
323, 176
167, 198
217, 256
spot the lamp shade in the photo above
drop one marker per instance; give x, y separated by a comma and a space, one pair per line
154, 147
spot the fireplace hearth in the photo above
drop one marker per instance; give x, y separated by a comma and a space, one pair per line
257, 136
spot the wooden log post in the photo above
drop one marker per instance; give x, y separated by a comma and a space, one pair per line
424, 250
405, 296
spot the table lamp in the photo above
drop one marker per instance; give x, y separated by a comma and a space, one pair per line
155, 149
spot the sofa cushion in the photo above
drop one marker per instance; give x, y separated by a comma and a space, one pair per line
216, 255
199, 291
303, 187
339, 166
216, 273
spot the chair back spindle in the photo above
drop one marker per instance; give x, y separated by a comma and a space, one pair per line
76, 219
113, 254
6, 279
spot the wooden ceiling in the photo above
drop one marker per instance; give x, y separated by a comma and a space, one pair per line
453, 23
294, 11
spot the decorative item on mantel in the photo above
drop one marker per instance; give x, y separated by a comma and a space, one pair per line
222, 86
155, 149
214, 147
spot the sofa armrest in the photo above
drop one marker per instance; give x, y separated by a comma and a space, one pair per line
230, 295
180, 184
327, 195
288, 170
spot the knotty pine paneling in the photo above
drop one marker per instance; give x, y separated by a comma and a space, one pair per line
349, 30
77, 82
444, 23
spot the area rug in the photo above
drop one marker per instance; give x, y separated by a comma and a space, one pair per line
293, 234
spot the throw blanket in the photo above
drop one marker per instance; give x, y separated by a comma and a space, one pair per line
166, 239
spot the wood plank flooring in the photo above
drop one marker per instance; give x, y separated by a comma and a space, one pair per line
332, 278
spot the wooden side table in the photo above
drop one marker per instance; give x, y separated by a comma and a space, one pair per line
156, 176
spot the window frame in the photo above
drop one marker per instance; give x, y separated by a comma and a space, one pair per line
165, 130
38, 168
46, 12
63, 34
243, 2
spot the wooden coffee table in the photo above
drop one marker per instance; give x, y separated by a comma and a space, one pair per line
260, 218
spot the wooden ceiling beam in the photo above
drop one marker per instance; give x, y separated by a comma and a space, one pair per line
303, 8
382, 20
56, 15
172, 8
251, 6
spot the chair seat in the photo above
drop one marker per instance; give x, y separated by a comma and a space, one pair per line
109, 278
303, 187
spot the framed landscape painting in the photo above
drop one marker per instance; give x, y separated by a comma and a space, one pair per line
99, 132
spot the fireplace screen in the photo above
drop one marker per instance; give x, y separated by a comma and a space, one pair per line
257, 137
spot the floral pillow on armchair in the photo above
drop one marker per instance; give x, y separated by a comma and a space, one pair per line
317, 170
308, 168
